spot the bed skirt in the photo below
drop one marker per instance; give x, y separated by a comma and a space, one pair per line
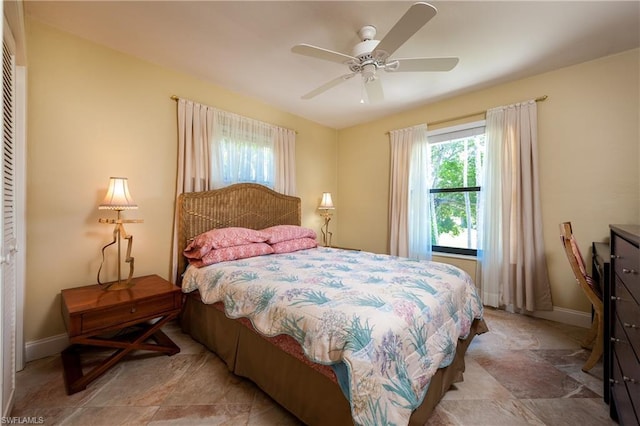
307, 393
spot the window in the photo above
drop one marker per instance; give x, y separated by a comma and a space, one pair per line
456, 156
246, 161
242, 151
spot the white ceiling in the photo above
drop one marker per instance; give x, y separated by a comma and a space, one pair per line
246, 46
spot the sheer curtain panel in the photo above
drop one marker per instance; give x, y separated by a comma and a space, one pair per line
419, 196
242, 150
409, 224
513, 265
247, 150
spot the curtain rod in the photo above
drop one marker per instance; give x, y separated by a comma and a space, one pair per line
176, 98
473, 114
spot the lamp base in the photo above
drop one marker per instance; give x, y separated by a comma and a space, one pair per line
118, 231
326, 235
118, 285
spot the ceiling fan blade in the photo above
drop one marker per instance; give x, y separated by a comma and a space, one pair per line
328, 85
414, 19
374, 90
424, 64
320, 53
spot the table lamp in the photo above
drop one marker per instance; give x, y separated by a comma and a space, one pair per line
326, 207
118, 198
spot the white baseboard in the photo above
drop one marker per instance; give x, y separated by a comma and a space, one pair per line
565, 316
45, 347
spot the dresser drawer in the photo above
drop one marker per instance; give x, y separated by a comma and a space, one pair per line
629, 368
133, 312
628, 312
621, 397
623, 346
627, 265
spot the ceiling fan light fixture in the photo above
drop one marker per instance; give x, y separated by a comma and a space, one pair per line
369, 73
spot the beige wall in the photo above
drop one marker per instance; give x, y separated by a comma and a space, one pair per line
95, 113
589, 159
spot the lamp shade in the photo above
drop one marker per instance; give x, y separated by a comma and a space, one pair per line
118, 196
327, 202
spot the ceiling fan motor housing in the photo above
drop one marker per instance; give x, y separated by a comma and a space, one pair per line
366, 64
363, 49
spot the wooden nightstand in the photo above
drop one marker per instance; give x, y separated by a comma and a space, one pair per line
96, 317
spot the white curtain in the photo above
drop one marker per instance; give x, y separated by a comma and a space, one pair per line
409, 216
241, 150
195, 128
513, 266
419, 196
247, 150
285, 160
217, 148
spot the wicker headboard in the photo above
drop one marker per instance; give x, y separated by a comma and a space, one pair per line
248, 205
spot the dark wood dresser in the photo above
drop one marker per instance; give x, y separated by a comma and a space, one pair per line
623, 323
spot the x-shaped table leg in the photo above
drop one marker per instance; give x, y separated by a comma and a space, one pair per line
75, 380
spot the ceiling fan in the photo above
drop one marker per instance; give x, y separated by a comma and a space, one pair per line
371, 55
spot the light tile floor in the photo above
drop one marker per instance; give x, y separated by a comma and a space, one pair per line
524, 371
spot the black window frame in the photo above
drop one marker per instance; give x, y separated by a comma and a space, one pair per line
448, 134
455, 250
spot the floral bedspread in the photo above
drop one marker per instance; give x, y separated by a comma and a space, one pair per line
392, 321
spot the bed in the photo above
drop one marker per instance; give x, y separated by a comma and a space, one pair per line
338, 381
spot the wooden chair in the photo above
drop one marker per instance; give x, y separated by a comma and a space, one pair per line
595, 337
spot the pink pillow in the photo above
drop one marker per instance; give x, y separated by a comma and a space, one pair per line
281, 233
232, 253
294, 245
222, 238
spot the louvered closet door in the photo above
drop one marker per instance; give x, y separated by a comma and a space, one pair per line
8, 269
